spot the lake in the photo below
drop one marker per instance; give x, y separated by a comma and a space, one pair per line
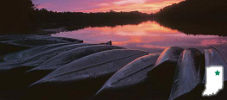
149, 36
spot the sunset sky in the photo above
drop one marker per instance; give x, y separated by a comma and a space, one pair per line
146, 6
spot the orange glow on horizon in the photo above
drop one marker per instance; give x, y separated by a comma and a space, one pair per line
151, 7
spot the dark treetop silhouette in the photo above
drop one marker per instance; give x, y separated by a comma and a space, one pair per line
16, 15
195, 16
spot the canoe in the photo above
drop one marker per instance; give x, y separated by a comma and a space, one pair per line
33, 36
189, 73
34, 40
92, 66
15, 43
16, 57
169, 54
65, 58
213, 57
71, 55
129, 77
161, 76
25, 54
168, 57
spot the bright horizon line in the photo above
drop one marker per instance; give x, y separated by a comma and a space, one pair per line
100, 12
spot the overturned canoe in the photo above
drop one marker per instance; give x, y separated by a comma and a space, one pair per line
161, 76
33, 36
189, 73
169, 54
92, 66
133, 73
213, 58
130, 75
34, 40
39, 58
70, 56
65, 58
168, 57
25, 54
18, 56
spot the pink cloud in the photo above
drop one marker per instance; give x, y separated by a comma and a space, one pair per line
121, 2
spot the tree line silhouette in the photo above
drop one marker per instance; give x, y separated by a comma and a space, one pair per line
21, 16
77, 20
195, 16
16, 15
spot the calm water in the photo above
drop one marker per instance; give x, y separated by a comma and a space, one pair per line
148, 36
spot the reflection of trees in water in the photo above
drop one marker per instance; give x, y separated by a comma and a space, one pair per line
116, 23
208, 28
196, 16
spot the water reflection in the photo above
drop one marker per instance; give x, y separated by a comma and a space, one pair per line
149, 36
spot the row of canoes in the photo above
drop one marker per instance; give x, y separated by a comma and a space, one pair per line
75, 70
